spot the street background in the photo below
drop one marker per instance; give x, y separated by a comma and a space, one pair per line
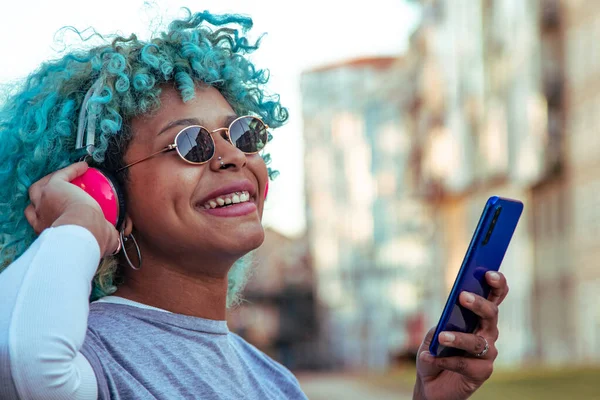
401, 151
405, 116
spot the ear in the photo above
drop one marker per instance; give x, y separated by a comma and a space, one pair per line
127, 227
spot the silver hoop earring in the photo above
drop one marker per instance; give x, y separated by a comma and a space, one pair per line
137, 249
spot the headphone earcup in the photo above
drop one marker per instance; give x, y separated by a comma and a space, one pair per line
105, 189
267, 189
120, 195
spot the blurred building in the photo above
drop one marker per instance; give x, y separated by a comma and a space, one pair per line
278, 314
504, 102
553, 292
580, 26
368, 234
494, 97
479, 123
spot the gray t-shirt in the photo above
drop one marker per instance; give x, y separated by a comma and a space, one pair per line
148, 354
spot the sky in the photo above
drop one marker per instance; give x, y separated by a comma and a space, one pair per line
299, 35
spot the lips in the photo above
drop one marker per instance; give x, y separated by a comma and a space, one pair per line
239, 186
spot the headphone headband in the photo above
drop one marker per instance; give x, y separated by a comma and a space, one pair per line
87, 120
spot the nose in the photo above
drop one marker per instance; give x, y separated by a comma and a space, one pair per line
226, 154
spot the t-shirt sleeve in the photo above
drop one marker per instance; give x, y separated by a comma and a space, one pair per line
43, 318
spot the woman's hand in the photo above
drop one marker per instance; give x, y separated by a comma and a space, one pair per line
456, 378
56, 201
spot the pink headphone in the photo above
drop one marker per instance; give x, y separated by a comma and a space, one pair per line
103, 188
98, 183
266, 189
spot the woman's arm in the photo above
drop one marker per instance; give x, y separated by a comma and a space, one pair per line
43, 317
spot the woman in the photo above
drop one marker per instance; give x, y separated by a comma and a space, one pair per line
180, 122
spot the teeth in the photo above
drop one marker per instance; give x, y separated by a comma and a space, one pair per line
233, 198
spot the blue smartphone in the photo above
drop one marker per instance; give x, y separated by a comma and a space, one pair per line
485, 253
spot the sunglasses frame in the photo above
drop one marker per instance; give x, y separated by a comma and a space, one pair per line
173, 146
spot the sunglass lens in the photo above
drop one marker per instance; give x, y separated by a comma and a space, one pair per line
195, 144
249, 134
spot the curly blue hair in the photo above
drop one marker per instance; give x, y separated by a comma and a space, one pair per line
38, 120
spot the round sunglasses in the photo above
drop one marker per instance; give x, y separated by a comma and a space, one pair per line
195, 144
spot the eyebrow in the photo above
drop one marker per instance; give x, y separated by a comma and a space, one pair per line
194, 121
180, 122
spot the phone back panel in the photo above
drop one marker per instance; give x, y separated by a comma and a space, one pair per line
485, 253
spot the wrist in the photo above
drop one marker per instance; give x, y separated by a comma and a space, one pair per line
418, 392
89, 218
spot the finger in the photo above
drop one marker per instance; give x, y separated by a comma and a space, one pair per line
31, 215
34, 192
68, 173
33, 220
498, 285
71, 172
475, 369
428, 337
115, 244
471, 343
36, 188
427, 370
485, 309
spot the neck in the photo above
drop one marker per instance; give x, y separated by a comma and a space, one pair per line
197, 293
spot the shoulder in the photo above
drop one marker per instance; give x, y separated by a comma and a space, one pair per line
256, 356
267, 369
243, 345
116, 326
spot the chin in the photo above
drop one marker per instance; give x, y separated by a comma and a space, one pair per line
249, 239
255, 239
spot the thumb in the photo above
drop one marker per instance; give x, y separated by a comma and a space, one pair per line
71, 172
425, 367
428, 337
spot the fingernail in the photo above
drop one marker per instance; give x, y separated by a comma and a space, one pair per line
469, 297
448, 337
494, 276
426, 356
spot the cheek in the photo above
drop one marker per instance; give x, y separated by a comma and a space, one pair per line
259, 169
153, 196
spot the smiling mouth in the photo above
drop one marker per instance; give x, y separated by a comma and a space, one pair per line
227, 200
235, 204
